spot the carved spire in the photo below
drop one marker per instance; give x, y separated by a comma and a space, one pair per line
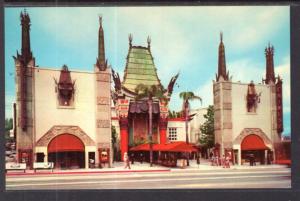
101, 62
130, 40
26, 53
171, 84
24, 58
149, 42
222, 61
270, 76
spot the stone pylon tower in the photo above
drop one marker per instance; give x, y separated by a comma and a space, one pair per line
270, 76
24, 65
222, 104
103, 101
276, 94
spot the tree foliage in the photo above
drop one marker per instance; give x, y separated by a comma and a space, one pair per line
173, 114
207, 137
113, 135
188, 96
8, 127
149, 91
8, 124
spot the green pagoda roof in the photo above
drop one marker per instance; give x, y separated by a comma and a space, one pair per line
140, 68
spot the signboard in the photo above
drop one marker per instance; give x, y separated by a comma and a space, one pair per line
279, 106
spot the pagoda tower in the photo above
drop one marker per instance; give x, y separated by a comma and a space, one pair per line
133, 113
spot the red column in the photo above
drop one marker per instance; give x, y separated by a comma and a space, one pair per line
124, 136
163, 124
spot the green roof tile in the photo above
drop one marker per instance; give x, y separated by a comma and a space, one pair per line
140, 69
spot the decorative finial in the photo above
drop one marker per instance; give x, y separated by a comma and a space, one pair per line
221, 36
269, 49
100, 20
149, 41
130, 40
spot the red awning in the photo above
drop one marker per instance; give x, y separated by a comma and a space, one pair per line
178, 146
253, 142
65, 142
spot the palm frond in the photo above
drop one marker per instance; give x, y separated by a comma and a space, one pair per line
143, 91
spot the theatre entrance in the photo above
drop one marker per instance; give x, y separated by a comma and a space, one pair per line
66, 151
254, 150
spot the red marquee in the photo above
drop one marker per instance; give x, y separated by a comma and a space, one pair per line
253, 142
65, 142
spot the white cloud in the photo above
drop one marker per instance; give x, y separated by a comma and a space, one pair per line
175, 43
206, 93
183, 38
245, 70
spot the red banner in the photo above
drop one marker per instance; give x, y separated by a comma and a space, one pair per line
279, 106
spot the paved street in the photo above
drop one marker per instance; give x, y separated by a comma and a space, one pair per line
194, 178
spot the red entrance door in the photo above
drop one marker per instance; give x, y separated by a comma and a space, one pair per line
66, 151
253, 147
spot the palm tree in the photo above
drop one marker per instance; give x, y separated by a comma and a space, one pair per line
187, 96
149, 92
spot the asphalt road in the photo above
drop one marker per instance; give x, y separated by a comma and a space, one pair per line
185, 179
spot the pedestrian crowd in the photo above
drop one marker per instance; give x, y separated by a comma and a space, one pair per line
220, 161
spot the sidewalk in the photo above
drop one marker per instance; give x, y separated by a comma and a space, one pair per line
206, 165
118, 167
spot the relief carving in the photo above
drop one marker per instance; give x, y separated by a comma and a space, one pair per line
256, 131
102, 108
252, 98
226, 86
102, 100
103, 77
227, 106
58, 130
103, 123
227, 125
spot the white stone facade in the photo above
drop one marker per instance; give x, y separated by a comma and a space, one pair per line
233, 122
82, 115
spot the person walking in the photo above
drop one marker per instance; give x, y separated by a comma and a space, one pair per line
223, 162
217, 159
126, 161
141, 158
212, 159
132, 158
227, 162
198, 160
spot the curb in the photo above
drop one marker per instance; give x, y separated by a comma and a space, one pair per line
85, 172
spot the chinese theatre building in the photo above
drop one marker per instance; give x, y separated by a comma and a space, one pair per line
248, 116
63, 116
133, 113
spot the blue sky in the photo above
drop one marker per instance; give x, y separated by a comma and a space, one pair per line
184, 39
